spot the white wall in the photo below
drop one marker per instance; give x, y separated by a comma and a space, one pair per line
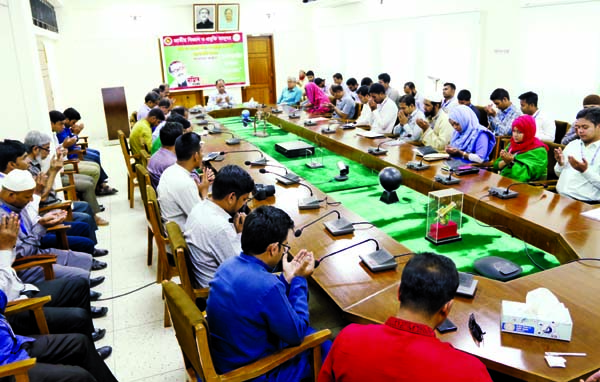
478, 44
23, 96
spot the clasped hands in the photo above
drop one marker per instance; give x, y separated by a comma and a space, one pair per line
302, 265
53, 218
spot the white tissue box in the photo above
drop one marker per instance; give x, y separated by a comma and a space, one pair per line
516, 319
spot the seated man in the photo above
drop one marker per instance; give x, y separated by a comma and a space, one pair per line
72, 130
390, 92
59, 357
150, 102
591, 100
405, 348
366, 81
141, 134
251, 311
292, 95
173, 118
209, 231
577, 166
338, 79
410, 89
165, 156
437, 131
449, 101
57, 123
366, 115
464, 98
546, 128
505, 113
344, 105
69, 309
384, 110
352, 86
408, 115
180, 110
17, 192
221, 99
178, 189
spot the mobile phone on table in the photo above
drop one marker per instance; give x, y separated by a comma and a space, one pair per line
446, 326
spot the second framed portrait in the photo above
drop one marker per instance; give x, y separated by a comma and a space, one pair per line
229, 17
205, 17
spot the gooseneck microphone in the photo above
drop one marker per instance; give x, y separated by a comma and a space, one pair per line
215, 129
299, 231
287, 179
505, 193
233, 140
378, 150
319, 261
447, 180
417, 165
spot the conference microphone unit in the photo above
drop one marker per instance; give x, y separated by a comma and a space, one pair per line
417, 165
294, 115
233, 140
202, 122
378, 150
214, 156
328, 130
310, 203
262, 161
215, 129
377, 261
447, 180
338, 227
288, 179
505, 193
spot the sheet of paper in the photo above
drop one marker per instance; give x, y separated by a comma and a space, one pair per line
369, 134
592, 214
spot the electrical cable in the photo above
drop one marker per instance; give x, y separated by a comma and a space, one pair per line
126, 293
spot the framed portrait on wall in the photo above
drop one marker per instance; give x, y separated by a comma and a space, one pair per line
205, 17
229, 17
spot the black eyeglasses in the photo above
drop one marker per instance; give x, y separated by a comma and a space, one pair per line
286, 248
44, 148
475, 329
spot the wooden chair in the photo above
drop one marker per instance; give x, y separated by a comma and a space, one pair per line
483, 116
131, 178
561, 129
18, 370
181, 252
144, 157
165, 269
191, 330
143, 178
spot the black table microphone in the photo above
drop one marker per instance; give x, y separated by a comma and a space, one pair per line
505, 193
259, 162
233, 140
298, 232
319, 261
287, 179
378, 150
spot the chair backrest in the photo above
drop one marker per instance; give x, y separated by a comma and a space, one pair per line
126, 153
357, 109
181, 252
561, 129
155, 217
501, 142
483, 116
143, 178
191, 330
551, 160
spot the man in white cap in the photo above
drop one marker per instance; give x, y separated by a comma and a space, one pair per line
437, 130
17, 191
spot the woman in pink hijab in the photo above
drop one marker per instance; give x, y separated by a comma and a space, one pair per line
318, 102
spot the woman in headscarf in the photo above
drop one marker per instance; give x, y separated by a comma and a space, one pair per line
470, 140
318, 102
526, 157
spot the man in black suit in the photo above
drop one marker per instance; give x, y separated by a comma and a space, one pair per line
203, 16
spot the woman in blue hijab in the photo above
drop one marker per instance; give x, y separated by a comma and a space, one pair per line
470, 140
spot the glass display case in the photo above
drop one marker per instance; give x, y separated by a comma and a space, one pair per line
444, 216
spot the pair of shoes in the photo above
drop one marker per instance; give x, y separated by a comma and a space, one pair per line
96, 281
106, 191
98, 312
99, 252
98, 334
100, 221
94, 296
104, 352
97, 265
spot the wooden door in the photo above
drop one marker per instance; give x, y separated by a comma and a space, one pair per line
115, 111
261, 68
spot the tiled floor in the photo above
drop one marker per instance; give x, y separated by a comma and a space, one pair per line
143, 350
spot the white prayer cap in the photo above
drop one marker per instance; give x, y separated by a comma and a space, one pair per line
434, 96
18, 180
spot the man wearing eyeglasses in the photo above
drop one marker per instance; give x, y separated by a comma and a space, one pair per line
253, 313
405, 348
213, 227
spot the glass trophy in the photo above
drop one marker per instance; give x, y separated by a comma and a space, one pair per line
315, 160
444, 216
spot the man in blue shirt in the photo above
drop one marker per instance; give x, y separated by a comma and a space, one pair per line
344, 104
502, 116
253, 313
292, 95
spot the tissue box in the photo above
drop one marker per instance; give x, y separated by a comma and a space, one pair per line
516, 319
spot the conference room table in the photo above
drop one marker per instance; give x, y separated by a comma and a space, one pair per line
541, 218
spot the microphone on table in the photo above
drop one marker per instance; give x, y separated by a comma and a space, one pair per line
377, 261
310, 203
215, 130
233, 140
327, 130
258, 162
505, 193
417, 165
287, 179
340, 226
378, 150
447, 180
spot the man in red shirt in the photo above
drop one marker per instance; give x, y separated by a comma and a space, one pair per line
405, 348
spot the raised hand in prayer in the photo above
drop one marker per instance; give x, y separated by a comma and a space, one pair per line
452, 150
423, 124
372, 104
402, 118
238, 221
506, 156
57, 162
68, 142
40, 183
302, 265
580, 166
53, 218
9, 231
489, 109
558, 155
